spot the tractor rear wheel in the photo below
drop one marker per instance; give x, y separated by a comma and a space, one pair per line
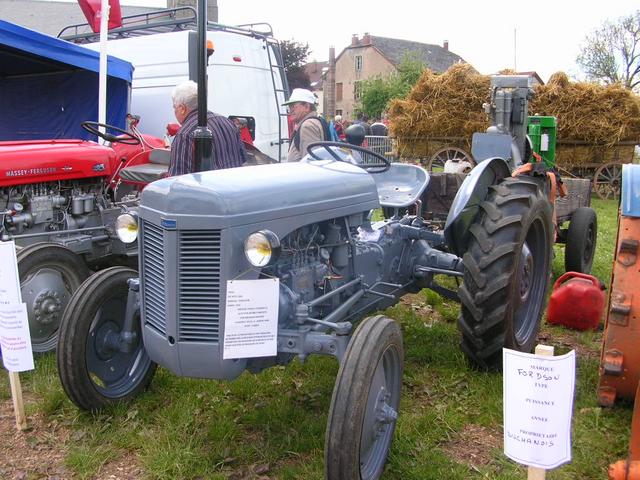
580, 246
95, 370
49, 274
364, 406
507, 272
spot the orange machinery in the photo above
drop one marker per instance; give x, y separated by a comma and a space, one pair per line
620, 360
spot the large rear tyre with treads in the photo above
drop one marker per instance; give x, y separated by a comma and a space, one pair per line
49, 275
365, 402
507, 271
94, 370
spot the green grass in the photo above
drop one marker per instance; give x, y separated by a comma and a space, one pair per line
187, 429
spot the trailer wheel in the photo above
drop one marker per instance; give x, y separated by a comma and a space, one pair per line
93, 370
49, 274
440, 158
580, 246
507, 272
365, 401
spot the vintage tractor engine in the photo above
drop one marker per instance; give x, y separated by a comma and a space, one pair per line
59, 187
48, 208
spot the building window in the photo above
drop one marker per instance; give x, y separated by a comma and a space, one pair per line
339, 112
358, 63
357, 90
339, 92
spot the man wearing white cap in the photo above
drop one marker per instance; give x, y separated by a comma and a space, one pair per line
309, 127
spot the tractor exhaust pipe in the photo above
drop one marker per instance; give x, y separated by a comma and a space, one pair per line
203, 136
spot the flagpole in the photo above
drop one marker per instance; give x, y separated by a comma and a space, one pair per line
102, 75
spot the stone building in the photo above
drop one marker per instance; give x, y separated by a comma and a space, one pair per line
372, 56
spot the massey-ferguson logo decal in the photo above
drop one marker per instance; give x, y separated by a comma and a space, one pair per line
31, 171
98, 167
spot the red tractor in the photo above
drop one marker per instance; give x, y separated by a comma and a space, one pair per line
60, 200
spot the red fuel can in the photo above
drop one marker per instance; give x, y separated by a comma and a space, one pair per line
576, 302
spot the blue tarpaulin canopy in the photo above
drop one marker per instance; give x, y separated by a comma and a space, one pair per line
49, 86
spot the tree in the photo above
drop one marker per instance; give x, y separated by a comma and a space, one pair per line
376, 92
294, 56
611, 54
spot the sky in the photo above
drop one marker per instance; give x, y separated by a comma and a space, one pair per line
538, 36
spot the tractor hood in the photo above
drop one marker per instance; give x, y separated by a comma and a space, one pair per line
253, 194
52, 160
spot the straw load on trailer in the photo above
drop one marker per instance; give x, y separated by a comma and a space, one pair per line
598, 126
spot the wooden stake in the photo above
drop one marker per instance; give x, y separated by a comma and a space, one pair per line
535, 473
18, 405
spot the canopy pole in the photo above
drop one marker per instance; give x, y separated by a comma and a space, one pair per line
102, 75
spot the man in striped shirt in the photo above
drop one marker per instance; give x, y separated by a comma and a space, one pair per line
228, 149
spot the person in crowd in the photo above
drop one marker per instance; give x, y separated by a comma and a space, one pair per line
243, 127
339, 126
361, 119
228, 149
308, 128
379, 129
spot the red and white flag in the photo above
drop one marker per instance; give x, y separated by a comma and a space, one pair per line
92, 11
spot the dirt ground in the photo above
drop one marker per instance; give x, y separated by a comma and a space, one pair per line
39, 452
36, 453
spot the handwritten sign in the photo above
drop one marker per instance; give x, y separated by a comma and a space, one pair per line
251, 318
538, 402
15, 341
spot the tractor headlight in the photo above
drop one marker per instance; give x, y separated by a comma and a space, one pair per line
262, 248
127, 227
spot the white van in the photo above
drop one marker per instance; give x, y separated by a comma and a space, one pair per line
245, 73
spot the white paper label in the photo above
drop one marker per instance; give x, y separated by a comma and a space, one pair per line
538, 402
9, 281
251, 318
15, 341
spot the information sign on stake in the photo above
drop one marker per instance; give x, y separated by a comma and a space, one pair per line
15, 341
538, 403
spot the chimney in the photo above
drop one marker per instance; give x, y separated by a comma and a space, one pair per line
445, 45
366, 39
212, 7
329, 86
354, 40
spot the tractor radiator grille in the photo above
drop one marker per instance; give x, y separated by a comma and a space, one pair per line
153, 265
199, 285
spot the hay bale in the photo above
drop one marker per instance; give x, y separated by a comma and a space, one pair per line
446, 105
588, 112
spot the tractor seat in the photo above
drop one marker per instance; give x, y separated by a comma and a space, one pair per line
156, 169
401, 186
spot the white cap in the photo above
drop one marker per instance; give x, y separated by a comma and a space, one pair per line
301, 95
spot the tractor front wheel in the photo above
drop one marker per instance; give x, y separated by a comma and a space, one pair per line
364, 406
95, 368
507, 271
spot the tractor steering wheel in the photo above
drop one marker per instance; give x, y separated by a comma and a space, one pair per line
370, 161
128, 138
